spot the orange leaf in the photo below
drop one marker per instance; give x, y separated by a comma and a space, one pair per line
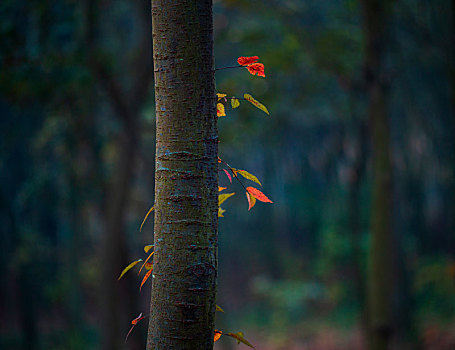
148, 266
129, 267
220, 112
221, 188
258, 195
240, 339
145, 278
228, 175
243, 61
251, 200
145, 262
217, 335
146, 216
256, 68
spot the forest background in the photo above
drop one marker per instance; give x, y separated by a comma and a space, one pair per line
77, 132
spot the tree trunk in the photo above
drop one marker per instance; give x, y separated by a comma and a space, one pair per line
185, 261
380, 254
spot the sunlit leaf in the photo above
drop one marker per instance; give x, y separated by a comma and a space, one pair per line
147, 275
243, 61
258, 195
146, 216
220, 112
235, 102
134, 323
256, 68
148, 266
221, 188
148, 247
223, 197
220, 96
255, 103
145, 262
247, 175
251, 200
228, 175
240, 338
217, 335
220, 212
129, 267
218, 308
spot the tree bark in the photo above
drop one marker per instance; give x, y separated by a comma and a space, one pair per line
381, 247
185, 260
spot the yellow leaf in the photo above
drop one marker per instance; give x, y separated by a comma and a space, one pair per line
146, 216
234, 102
240, 339
247, 175
220, 212
145, 262
251, 200
255, 103
148, 266
223, 197
129, 267
220, 112
221, 188
218, 308
220, 96
148, 247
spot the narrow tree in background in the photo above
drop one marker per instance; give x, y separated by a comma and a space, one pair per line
380, 254
185, 260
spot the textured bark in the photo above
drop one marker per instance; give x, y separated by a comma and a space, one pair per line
185, 261
381, 247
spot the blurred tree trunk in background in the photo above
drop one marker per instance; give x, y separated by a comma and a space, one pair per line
375, 13
120, 302
185, 262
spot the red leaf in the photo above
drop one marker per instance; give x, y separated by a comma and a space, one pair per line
243, 61
258, 195
137, 319
145, 278
256, 68
134, 322
228, 175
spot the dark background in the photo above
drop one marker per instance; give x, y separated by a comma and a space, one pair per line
77, 172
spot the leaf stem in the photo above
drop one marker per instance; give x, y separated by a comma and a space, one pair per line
234, 174
229, 67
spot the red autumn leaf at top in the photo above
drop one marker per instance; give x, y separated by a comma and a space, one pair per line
244, 61
258, 195
256, 68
